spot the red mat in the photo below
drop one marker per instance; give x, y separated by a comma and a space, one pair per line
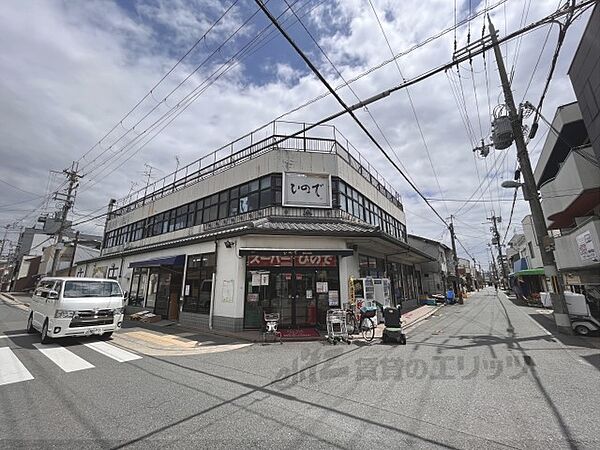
299, 333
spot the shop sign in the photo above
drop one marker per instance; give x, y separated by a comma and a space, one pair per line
322, 287
264, 279
306, 190
255, 279
334, 298
252, 298
585, 245
289, 261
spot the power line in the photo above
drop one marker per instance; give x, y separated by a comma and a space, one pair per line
343, 104
412, 105
19, 189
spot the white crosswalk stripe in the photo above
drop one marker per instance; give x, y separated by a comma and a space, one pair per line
11, 369
116, 353
63, 358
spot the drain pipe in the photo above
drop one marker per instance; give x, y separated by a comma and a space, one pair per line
213, 287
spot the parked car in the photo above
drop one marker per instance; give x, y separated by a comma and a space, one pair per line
70, 306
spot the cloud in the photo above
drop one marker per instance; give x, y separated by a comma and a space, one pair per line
71, 71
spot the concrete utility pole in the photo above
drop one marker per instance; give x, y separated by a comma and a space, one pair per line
6, 227
73, 176
494, 220
530, 192
74, 251
457, 283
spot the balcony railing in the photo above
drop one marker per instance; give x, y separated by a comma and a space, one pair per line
274, 136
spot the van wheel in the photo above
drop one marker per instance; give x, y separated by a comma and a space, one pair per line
106, 336
30, 328
45, 338
582, 330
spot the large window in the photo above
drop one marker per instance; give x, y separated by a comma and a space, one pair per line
198, 283
251, 196
354, 203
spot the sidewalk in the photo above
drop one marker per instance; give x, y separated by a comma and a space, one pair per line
171, 335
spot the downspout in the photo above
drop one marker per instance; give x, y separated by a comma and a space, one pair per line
212, 291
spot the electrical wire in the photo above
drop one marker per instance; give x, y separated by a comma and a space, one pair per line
410, 100
343, 104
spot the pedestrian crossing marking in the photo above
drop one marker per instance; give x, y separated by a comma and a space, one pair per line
116, 353
11, 369
63, 358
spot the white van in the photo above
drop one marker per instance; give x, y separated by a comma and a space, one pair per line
70, 306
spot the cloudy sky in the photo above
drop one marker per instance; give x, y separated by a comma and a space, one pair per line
85, 81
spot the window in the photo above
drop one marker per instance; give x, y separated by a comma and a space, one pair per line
77, 289
198, 283
234, 194
199, 209
223, 204
211, 208
181, 217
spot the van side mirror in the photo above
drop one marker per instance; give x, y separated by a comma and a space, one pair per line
53, 295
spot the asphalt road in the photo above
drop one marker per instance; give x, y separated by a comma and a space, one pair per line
487, 374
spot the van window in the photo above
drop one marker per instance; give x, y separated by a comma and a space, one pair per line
75, 289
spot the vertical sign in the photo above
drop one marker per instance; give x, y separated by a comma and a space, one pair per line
306, 190
585, 245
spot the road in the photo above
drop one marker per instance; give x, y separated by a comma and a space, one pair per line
486, 374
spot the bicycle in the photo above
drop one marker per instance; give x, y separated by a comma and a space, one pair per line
364, 323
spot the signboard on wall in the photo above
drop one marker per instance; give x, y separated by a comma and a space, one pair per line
306, 190
289, 261
585, 245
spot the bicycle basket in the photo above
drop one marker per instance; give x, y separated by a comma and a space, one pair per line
368, 311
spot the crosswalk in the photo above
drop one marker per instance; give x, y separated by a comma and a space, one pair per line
12, 370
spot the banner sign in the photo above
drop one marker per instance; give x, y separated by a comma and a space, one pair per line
585, 245
306, 190
289, 261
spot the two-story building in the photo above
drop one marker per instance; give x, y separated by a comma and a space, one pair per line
266, 223
436, 275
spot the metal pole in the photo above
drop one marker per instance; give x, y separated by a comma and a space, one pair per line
530, 192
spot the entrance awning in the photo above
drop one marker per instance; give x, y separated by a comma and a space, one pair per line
294, 252
157, 262
537, 271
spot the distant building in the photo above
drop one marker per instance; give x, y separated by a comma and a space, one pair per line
436, 275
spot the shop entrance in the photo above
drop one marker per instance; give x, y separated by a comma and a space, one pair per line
300, 288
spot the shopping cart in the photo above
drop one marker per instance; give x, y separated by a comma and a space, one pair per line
271, 324
336, 326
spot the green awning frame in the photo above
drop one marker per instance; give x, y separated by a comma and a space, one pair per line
537, 271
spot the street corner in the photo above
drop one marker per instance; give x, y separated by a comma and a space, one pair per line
154, 343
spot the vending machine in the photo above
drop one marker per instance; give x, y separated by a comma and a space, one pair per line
371, 292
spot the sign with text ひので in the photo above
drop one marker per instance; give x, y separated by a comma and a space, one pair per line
306, 190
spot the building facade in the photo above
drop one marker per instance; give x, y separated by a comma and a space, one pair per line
268, 223
568, 177
436, 275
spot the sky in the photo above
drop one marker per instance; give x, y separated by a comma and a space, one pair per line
92, 81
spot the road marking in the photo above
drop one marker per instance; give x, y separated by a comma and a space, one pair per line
116, 353
9, 336
11, 369
63, 358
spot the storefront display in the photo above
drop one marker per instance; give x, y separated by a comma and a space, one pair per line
298, 287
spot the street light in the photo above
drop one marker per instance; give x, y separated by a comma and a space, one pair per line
511, 184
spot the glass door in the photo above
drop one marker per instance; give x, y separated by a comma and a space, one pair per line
152, 289
282, 299
305, 299
162, 294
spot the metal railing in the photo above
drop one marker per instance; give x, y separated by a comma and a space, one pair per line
273, 136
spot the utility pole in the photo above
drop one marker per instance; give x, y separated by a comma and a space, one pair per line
74, 250
457, 283
496, 240
6, 227
530, 192
73, 176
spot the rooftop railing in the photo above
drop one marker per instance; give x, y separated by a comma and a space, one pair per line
273, 136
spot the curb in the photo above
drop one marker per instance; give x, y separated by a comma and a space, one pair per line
422, 318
